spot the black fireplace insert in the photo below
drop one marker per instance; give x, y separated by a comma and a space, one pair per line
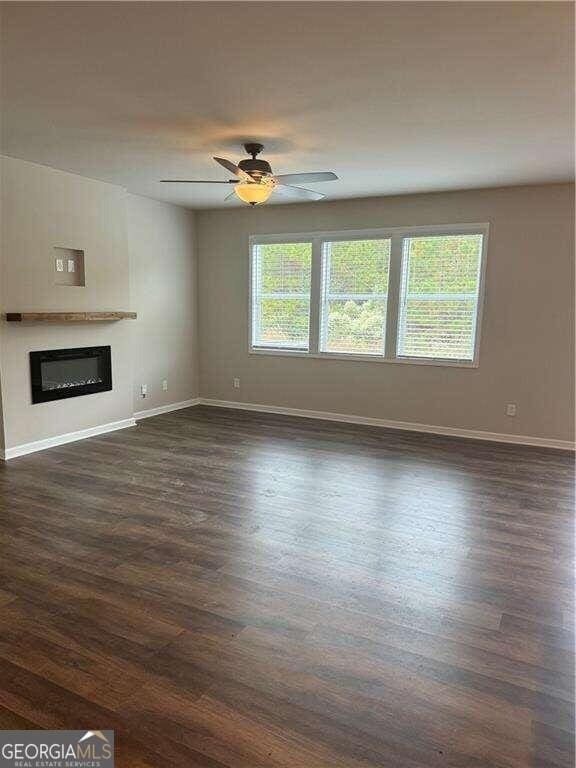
60, 373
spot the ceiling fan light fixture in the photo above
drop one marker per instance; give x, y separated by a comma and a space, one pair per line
255, 182
253, 192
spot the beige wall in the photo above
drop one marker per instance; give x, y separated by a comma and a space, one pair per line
140, 256
2, 441
526, 353
161, 242
43, 208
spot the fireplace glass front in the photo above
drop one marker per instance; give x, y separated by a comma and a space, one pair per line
60, 373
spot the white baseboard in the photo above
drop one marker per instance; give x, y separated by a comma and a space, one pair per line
473, 434
69, 437
166, 408
498, 437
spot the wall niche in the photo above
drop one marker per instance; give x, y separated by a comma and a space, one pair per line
68, 265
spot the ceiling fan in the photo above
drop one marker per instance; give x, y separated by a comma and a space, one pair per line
255, 182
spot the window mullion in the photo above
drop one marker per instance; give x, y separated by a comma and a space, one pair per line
315, 291
257, 287
393, 303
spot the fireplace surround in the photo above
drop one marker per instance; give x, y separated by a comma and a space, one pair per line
61, 373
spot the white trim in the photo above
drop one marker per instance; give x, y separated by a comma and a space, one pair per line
368, 234
315, 307
473, 434
68, 437
393, 298
166, 408
350, 356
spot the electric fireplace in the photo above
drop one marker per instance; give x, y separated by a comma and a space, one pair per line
60, 373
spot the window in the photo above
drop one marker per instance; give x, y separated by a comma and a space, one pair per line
439, 300
411, 295
281, 276
354, 296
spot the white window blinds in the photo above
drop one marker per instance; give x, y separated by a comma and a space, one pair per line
354, 296
409, 295
281, 275
439, 296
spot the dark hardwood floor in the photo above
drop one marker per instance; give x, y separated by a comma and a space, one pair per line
239, 590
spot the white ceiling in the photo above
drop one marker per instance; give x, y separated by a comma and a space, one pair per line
393, 97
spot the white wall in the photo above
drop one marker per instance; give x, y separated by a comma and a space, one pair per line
527, 346
162, 247
43, 208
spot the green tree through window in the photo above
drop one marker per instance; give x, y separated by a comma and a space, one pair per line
281, 295
354, 297
434, 309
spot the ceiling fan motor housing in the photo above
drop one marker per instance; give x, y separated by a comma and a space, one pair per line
256, 168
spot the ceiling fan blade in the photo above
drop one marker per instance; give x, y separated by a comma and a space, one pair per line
234, 169
196, 181
298, 193
306, 178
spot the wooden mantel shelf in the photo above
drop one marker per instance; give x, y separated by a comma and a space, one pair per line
67, 317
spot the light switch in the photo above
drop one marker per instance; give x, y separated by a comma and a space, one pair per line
69, 266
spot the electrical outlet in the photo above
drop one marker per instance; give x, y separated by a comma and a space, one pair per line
236, 383
511, 409
165, 385
71, 265
59, 265
143, 389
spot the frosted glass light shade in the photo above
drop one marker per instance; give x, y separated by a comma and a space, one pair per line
253, 193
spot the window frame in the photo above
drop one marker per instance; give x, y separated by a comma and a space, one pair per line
326, 296
397, 236
253, 282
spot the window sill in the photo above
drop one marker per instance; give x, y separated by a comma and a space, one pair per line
364, 358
